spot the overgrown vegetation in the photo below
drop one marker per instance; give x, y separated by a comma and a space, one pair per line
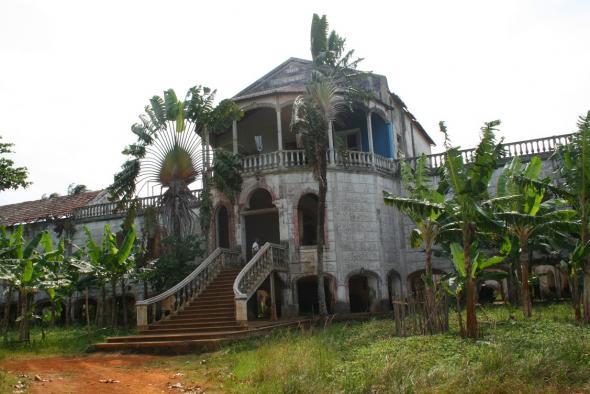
177, 261
11, 177
547, 353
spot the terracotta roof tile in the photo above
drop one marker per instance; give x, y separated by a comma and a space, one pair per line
34, 211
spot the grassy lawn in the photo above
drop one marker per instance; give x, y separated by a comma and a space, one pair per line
547, 353
59, 341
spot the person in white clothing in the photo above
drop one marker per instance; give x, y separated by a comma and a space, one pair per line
255, 247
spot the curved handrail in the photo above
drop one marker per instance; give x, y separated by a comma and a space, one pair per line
238, 294
177, 297
171, 291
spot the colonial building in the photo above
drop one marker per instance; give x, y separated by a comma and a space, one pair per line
367, 257
365, 242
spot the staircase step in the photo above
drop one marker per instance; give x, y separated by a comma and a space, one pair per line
193, 324
182, 344
203, 319
205, 315
190, 330
230, 333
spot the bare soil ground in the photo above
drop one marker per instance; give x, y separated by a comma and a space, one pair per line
97, 373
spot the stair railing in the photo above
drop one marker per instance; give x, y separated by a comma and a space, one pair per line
271, 257
173, 300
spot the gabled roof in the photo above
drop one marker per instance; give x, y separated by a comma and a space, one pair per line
40, 210
293, 74
288, 77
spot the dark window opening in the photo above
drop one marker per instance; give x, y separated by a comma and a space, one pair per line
307, 295
308, 219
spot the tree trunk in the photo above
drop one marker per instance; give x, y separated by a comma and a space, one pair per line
527, 307
124, 304
87, 312
513, 284
114, 303
429, 290
323, 189
67, 312
459, 317
103, 305
586, 294
575, 294
471, 330
23, 332
6, 318
52, 322
586, 264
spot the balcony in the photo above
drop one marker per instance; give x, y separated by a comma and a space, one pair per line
346, 160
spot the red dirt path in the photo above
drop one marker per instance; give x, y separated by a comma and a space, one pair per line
84, 374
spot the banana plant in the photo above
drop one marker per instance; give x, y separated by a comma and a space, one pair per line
113, 260
455, 282
424, 205
573, 163
527, 215
465, 183
30, 267
574, 266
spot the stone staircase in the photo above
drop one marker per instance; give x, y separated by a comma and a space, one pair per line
200, 318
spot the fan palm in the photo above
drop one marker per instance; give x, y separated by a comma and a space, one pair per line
171, 151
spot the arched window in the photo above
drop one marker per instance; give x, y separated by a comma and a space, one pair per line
261, 199
308, 219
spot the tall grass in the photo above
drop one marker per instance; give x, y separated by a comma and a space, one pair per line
548, 353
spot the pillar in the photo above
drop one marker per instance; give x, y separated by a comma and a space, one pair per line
234, 130
370, 133
273, 298
279, 129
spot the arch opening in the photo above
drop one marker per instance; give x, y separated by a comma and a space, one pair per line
307, 295
261, 220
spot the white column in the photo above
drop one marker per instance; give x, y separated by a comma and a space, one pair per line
331, 141
279, 129
370, 133
234, 130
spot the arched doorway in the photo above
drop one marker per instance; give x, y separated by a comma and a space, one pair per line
307, 210
489, 291
307, 295
222, 227
262, 220
359, 293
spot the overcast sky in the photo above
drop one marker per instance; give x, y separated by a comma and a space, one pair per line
74, 75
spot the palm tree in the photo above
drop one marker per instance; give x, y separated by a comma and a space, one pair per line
466, 184
313, 114
172, 151
527, 216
